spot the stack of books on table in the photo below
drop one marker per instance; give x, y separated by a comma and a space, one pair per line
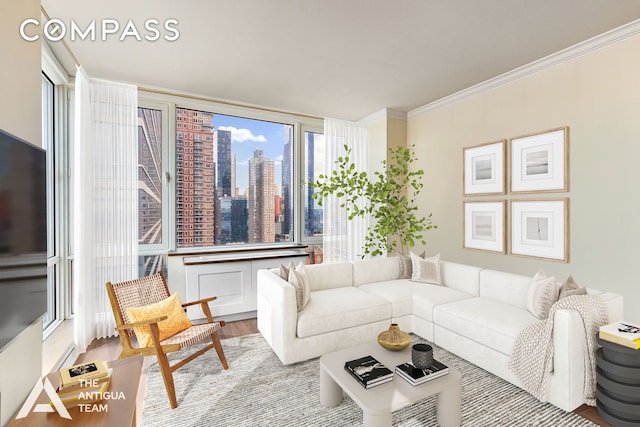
368, 371
417, 376
84, 383
623, 333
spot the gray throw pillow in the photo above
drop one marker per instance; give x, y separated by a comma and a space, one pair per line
570, 287
406, 268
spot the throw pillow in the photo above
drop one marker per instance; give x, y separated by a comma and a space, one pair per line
425, 270
406, 270
570, 287
284, 270
175, 322
298, 278
543, 293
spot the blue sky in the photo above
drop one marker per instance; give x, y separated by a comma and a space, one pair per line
248, 135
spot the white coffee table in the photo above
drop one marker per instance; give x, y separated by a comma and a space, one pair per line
377, 403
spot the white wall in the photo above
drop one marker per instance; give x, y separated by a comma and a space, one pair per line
598, 97
20, 114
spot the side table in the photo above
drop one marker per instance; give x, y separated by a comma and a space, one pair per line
618, 389
119, 412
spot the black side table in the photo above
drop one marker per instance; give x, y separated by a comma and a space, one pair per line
618, 389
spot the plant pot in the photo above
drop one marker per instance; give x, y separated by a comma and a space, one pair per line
393, 338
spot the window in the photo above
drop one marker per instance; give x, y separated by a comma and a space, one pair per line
48, 138
152, 188
235, 184
314, 165
214, 176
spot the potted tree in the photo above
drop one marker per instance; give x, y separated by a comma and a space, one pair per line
389, 197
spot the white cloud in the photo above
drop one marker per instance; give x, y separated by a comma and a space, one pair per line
242, 135
280, 158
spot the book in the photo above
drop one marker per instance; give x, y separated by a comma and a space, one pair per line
634, 344
85, 371
417, 376
85, 395
80, 385
623, 333
368, 371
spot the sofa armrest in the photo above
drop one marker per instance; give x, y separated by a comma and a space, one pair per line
277, 312
567, 388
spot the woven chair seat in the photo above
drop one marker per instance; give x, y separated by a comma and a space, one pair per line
193, 335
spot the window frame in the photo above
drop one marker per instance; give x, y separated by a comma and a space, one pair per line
61, 257
300, 124
308, 240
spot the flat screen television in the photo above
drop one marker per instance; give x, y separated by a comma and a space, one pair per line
23, 236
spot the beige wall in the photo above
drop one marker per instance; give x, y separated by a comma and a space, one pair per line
20, 113
598, 97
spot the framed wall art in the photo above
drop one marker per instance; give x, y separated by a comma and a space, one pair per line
540, 162
484, 169
484, 226
540, 229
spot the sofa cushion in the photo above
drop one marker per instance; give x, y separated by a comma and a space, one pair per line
329, 275
341, 308
465, 278
504, 287
399, 292
375, 270
483, 321
426, 296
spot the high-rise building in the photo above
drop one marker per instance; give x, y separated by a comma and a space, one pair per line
239, 220
287, 179
194, 178
222, 149
261, 198
234, 188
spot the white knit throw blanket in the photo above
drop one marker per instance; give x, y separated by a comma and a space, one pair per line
532, 356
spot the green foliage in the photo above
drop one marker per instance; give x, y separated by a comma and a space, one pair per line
389, 198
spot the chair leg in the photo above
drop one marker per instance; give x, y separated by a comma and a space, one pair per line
167, 376
216, 342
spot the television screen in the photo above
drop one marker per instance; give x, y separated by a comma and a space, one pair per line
23, 236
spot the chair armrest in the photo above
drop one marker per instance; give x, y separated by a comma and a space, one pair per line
200, 301
140, 323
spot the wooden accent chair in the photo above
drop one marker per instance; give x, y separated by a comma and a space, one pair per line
150, 290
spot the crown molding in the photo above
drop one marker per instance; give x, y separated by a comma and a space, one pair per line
586, 47
385, 113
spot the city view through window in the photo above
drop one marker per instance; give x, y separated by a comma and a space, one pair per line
233, 180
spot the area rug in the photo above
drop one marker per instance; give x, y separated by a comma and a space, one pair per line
258, 390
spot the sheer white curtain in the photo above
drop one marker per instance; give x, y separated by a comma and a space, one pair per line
105, 200
343, 239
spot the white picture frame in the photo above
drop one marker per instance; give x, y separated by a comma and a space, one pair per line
484, 226
540, 162
540, 229
484, 169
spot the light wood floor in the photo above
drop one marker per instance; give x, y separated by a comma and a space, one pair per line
109, 349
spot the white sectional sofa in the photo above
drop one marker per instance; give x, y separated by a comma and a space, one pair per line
476, 314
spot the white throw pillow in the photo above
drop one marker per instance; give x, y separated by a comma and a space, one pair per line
425, 270
543, 293
298, 278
